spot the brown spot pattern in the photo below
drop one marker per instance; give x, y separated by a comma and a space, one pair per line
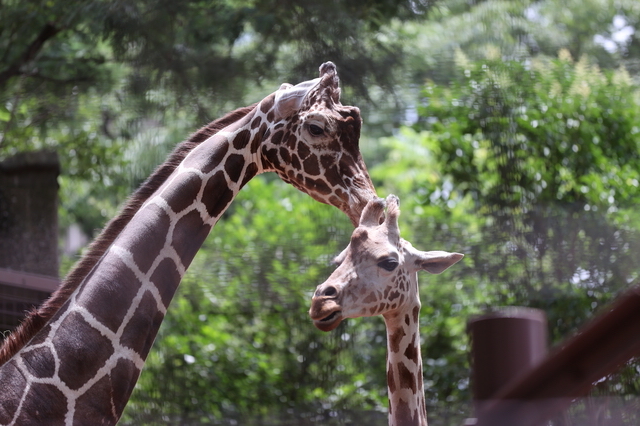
166, 278
311, 166
257, 139
183, 193
303, 150
74, 370
407, 378
95, 405
44, 405
371, 298
148, 236
141, 330
317, 185
391, 384
40, 337
412, 350
404, 416
189, 234
124, 377
285, 155
101, 299
359, 236
394, 339
292, 141
402, 284
252, 170
416, 314
11, 378
41, 357
233, 166
267, 104
277, 137
242, 139
216, 192
295, 163
205, 159
271, 158
332, 175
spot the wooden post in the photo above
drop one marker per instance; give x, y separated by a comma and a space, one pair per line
504, 344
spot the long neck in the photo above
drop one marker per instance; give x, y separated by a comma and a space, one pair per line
404, 369
82, 366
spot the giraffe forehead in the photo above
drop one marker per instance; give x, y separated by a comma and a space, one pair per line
373, 241
322, 94
318, 114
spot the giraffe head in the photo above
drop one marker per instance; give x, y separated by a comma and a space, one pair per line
377, 272
311, 142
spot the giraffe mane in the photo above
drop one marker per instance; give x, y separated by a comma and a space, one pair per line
38, 317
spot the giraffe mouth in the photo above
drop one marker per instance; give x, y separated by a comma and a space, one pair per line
329, 322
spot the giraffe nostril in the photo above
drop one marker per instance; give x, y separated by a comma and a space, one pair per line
329, 291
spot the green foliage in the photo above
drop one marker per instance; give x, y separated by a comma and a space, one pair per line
544, 127
520, 30
531, 169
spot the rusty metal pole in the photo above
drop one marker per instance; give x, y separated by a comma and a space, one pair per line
504, 344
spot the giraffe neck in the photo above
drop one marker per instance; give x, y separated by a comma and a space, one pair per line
404, 368
82, 366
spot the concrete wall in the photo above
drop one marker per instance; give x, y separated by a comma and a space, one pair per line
29, 213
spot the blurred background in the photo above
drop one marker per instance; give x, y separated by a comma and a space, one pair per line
510, 130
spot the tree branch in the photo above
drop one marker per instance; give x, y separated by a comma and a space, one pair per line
49, 31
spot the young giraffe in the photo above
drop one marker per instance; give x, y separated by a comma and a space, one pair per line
378, 276
76, 359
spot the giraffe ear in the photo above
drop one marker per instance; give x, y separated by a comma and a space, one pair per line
341, 257
289, 98
434, 262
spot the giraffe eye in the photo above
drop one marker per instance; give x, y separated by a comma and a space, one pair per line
316, 130
388, 264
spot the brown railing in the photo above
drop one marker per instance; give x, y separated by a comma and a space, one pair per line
570, 371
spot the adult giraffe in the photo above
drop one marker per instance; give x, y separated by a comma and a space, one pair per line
378, 276
76, 359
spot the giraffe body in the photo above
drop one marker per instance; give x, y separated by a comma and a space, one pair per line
80, 366
377, 275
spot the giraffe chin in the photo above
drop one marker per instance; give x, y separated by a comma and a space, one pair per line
329, 322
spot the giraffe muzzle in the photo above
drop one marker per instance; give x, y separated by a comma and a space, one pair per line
325, 313
329, 322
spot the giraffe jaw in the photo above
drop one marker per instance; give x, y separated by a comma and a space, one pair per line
328, 322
